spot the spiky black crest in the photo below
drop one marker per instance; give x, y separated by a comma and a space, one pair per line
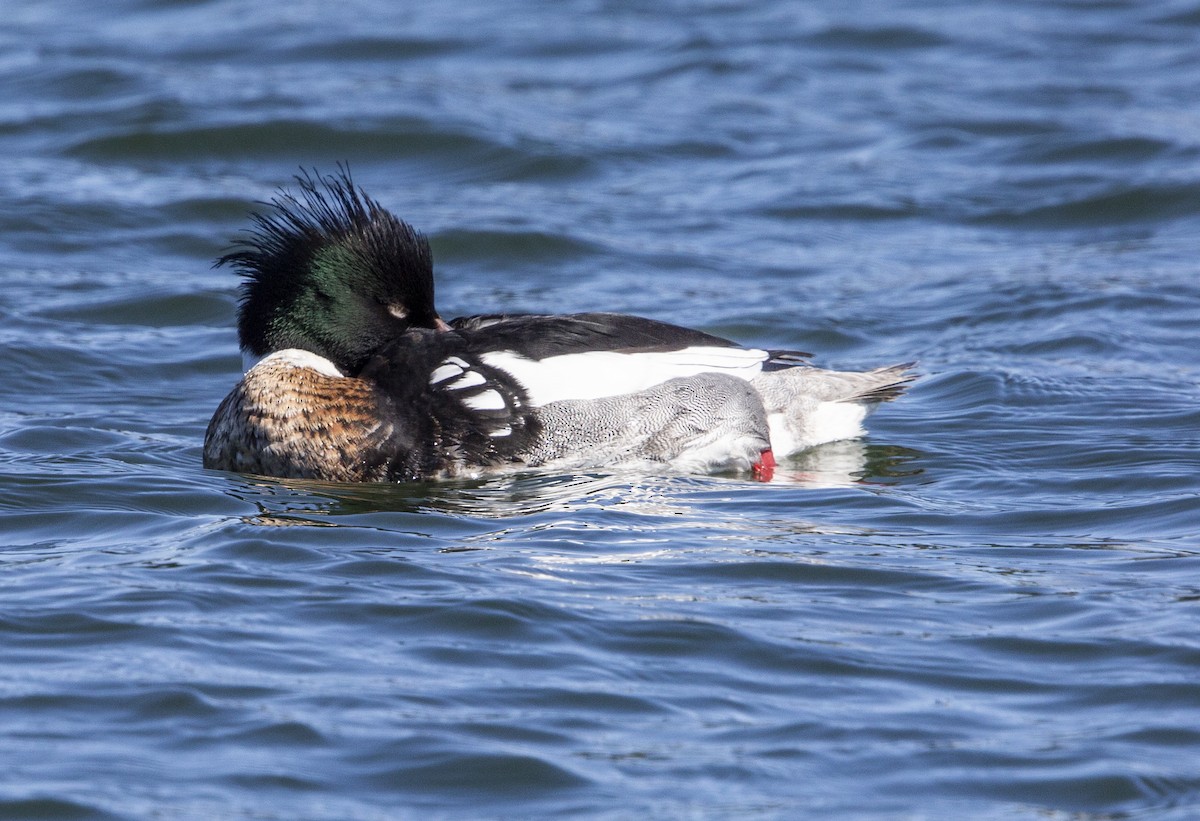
330, 271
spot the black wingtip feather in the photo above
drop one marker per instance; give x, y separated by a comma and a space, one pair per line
904, 376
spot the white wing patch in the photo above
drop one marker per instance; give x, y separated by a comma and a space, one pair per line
596, 374
470, 379
451, 367
477, 391
444, 372
485, 400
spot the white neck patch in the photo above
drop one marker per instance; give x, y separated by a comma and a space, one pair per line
298, 358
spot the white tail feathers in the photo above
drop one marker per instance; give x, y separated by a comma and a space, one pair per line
808, 406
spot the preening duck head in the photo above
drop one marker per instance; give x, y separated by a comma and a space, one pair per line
332, 272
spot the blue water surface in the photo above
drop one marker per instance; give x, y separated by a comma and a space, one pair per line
989, 608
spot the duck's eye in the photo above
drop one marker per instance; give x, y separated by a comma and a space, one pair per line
398, 311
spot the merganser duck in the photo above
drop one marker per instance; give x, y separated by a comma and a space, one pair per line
354, 376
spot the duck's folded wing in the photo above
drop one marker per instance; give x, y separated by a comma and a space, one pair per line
597, 374
538, 336
591, 356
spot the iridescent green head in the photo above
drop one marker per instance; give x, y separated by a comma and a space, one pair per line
332, 272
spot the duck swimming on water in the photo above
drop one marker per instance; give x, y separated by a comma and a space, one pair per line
355, 377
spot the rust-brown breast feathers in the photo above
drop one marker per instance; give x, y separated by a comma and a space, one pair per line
296, 422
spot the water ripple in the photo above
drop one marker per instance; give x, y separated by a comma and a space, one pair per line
983, 609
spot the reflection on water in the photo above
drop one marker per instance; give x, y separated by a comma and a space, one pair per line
986, 609
287, 502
